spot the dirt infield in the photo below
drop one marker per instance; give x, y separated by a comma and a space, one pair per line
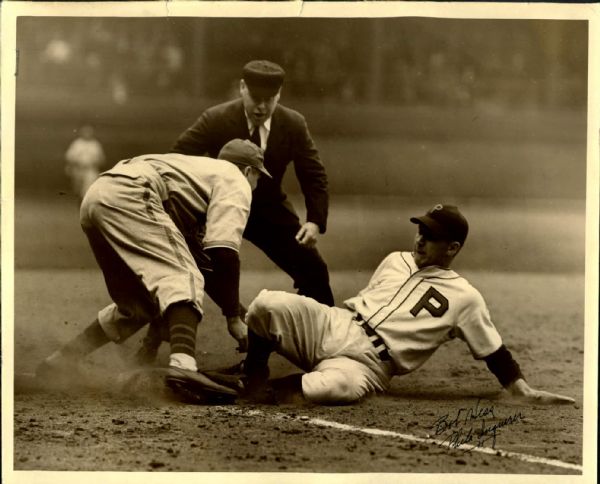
102, 429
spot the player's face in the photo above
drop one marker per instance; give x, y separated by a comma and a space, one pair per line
429, 250
258, 108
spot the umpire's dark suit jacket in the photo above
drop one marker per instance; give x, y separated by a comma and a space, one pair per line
289, 141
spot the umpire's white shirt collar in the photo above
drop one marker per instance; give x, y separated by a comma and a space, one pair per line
264, 129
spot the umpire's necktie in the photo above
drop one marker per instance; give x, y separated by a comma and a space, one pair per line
255, 136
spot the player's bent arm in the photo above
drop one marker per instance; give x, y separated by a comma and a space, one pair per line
226, 278
226, 287
507, 370
521, 390
502, 364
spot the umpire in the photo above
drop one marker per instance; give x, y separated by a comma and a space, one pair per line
273, 226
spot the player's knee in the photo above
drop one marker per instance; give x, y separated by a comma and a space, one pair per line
266, 307
331, 387
263, 304
257, 310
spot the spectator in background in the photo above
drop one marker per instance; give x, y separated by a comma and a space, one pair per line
56, 58
58, 51
171, 58
84, 159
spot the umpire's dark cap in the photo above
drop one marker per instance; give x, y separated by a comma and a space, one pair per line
445, 222
243, 152
263, 78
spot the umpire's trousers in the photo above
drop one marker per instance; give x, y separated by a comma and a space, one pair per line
273, 230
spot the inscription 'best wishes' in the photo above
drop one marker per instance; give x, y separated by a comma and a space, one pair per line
471, 427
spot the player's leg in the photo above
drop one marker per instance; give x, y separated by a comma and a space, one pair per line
341, 380
274, 233
131, 309
156, 333
131, 218
293, 326
341, 363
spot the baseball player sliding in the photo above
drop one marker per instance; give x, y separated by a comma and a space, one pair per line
412, 305
140, 218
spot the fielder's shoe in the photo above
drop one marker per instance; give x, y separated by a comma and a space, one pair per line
235, 370
195, 387
250, 388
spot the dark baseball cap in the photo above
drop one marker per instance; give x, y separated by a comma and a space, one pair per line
245, 153
263, 77
445, 222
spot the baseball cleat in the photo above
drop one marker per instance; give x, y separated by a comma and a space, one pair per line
252, 389
235, 370
195, 387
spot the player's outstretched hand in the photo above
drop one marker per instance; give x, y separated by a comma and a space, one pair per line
307, 235
238, 329
521, 391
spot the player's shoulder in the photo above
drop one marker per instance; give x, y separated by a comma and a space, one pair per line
452, 279
229, 175
400, 261
199, 165
469, 294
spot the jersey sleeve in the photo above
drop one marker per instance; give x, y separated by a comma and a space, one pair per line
227, 213
476, 328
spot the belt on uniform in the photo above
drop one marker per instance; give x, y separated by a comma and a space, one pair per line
374, 338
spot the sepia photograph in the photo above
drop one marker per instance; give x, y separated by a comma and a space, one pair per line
275, 244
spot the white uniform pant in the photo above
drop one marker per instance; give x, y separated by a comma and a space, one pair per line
145, 260
342, 364
81, 177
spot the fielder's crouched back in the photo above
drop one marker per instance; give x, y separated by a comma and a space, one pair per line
124, 219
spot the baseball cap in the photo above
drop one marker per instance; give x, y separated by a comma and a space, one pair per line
263, 77
446, 222
245, 153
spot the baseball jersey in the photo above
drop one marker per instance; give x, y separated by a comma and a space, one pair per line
199, 193
416, 310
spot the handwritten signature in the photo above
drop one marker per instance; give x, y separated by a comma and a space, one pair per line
470, 427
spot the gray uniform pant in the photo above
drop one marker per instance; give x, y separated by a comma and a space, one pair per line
342, 364
145, 260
